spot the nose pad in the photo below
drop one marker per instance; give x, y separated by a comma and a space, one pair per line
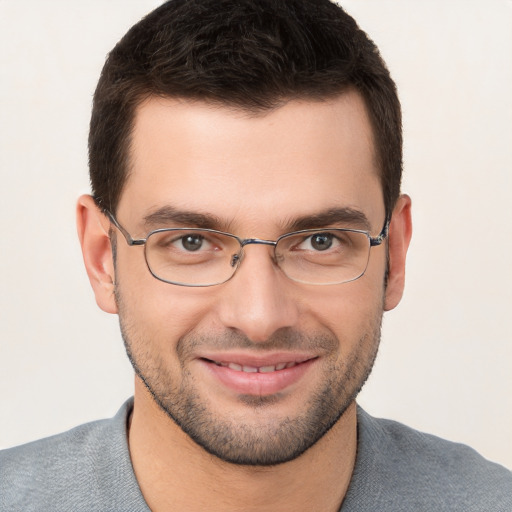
236, 259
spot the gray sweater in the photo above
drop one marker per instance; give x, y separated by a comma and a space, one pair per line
397, 469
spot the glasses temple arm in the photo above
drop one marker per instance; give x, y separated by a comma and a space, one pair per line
382, 235
127, 236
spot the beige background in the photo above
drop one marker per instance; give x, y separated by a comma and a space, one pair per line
446, 359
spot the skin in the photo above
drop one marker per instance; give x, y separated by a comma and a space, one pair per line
255, 174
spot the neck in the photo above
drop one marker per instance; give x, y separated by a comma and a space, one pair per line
174, 473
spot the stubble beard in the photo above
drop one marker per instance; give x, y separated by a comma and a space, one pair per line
276, 439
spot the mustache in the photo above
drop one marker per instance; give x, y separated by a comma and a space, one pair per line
285, 339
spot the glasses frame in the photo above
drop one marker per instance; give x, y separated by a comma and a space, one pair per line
237, 258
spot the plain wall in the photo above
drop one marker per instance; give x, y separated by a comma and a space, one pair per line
445, 364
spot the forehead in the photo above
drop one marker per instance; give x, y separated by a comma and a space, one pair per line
252, 170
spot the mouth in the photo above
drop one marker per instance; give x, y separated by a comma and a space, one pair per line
256, 369
256, 376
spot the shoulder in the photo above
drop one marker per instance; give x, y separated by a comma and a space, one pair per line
419, 471
82, 468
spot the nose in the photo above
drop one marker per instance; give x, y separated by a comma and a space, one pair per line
259, 299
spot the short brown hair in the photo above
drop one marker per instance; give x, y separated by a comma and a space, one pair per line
249, 54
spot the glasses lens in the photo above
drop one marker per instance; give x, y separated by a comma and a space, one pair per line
324, 256
191, 257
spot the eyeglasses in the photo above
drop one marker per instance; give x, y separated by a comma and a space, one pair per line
206, 257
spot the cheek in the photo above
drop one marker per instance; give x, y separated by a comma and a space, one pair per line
158, 312
349, 310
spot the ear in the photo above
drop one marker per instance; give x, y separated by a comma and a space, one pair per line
93, 232
400, 231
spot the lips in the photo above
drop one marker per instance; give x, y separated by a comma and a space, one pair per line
258, 376
256, 369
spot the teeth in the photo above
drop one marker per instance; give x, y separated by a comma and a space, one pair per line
254, 369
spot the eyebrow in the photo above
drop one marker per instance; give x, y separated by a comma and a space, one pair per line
171, 216
344, 217
167, 215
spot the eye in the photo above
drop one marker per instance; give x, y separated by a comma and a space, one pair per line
192, 242
185, 243
321, 241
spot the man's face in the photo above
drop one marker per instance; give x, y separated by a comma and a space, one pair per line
196, 349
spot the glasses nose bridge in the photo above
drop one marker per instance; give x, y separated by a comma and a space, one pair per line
237, 259
256, 241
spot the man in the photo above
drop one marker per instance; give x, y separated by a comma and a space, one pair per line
247, 226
